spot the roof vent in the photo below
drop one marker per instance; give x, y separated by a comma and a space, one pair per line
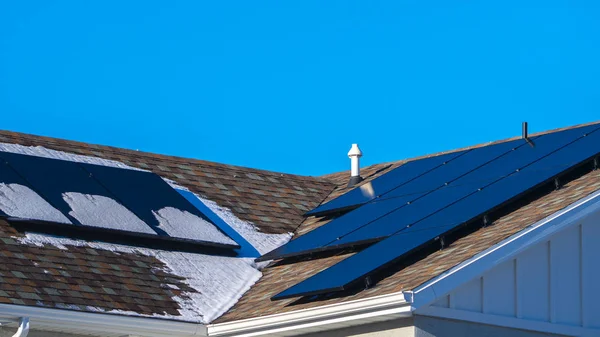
354, 154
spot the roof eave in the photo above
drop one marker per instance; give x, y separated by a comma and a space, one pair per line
99, 324
323, 318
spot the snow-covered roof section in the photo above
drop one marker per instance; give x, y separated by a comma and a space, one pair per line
101, 211
218, 282
262, 242
43, 152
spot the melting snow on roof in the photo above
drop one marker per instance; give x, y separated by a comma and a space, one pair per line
183, 224
262, 242
21, 202
39, 151
219, 281
101, 211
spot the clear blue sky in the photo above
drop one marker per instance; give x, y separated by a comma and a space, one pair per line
289, 85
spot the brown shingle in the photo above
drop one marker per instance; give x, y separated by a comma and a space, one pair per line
276, 278
82, 277
218, 182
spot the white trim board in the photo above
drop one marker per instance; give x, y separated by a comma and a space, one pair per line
323, 318
508, 322
99, 324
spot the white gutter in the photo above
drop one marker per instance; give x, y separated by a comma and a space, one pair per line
23, 329
323, 318
99, 324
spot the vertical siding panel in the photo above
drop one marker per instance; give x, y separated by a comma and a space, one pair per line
565, 278
468, 297
591, 273
533, 284
443, 302
499, 290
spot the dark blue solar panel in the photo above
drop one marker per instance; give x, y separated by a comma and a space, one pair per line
355, 268
396, 199
323, 235
50, 178
144, 193
9, 176
519, 159
346, 273
383, 184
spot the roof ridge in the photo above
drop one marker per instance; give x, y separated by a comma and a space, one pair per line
161, 155
405, 160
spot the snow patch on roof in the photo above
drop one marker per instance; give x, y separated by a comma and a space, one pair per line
101, 211
183, 224
219, 281
40, 151
262, 242
21, 202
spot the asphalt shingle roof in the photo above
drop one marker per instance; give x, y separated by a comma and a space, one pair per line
91, 279
85, 278
282, 275
275, 202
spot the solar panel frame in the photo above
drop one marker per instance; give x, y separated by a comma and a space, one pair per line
122, 236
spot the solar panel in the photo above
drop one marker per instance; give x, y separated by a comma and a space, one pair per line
407, 195
91, 196
356, 268
167, 212
522, 158
52, 179
16, 192
383, 184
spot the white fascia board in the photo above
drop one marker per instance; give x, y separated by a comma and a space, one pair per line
476, 266
508, 322
99, 324
323, 318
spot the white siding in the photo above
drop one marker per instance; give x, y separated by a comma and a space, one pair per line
499, 288
590, 250
468, 297
533, 284
566, 278
556, 281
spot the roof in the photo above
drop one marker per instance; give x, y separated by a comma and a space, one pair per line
282, 275
274, 202
96, 277
103, 278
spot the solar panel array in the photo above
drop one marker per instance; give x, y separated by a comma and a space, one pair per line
139, 192
407, 212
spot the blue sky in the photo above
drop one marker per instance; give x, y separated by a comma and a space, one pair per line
289, 85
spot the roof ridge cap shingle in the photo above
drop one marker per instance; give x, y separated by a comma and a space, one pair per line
328, 175
165, 156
